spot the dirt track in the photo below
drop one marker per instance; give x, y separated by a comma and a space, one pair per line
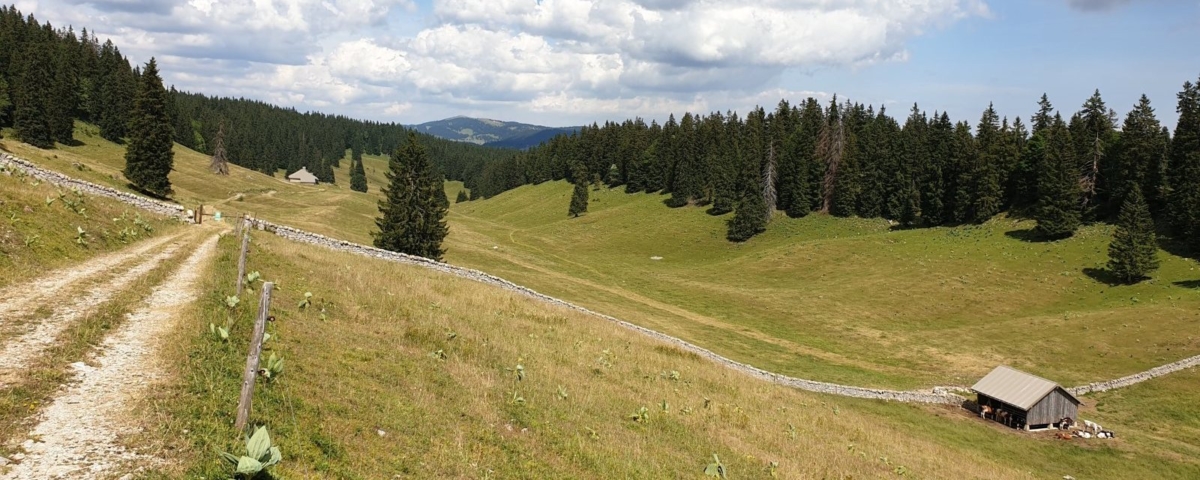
77, 433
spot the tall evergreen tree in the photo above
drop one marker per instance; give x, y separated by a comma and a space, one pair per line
990, 153
801, 162
1184, 168
462, 197
579, 196
1140, 157
963, 172
32, 96
149, 158
61, 108
412, 217
5, 103
749, 218
1057, 212
358, 176
1133, 252
116, 91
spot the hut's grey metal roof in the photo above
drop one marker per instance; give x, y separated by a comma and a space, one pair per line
1015, 387
303, 175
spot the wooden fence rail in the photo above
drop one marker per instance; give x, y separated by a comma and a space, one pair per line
252, 359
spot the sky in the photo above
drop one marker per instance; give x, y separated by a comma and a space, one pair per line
573, 62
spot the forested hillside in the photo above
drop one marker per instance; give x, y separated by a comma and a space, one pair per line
49, 77
848, 159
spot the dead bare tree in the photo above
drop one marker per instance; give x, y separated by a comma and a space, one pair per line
770, 198
1091, 174
220, 164
829, 149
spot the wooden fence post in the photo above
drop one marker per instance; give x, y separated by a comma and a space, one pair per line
252, 360
242, 262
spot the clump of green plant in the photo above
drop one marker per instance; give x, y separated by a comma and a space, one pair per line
273, 368
439, 354
715, 469
232, 301
250, 279
260, 454
306, 301
81, 237
642, 415
75, 203
219, 332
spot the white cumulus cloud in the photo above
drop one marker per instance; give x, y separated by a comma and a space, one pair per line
570, 59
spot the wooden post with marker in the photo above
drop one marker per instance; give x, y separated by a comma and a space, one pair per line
241, 280
253, 358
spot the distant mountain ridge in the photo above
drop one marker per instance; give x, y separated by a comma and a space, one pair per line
486, 131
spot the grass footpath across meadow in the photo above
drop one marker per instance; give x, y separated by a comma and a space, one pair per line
393, 371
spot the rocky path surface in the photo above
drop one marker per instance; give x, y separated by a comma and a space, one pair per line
77, 433
31, 342
22, 299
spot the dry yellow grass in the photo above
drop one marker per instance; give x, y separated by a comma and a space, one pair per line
431, 361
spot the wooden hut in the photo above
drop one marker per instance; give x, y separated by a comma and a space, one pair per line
1022, 400
302, 176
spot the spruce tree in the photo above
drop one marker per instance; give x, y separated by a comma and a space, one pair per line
1057, 212
412, 218
749, 218
579, 196
988, 191
358, 176
5, 103
32, 96
1133, 252
1140, 158
1184, 169
802, 148
149, 158
462, 197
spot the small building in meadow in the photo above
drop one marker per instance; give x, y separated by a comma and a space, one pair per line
303, 176
1022, 400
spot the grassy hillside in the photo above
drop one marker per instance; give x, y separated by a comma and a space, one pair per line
838, 299
41, 224
846, 300
414, 374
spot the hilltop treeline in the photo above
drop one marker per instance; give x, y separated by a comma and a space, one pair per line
51, 77
848, 159
267, 138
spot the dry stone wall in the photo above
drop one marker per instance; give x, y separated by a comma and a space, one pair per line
937, 395
50, 176
1136, 378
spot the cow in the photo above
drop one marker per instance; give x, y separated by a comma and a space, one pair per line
1066, 423
1002, 416
985, 410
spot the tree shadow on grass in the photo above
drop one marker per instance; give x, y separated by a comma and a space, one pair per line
1103, 275
1026, 235
1188, 283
